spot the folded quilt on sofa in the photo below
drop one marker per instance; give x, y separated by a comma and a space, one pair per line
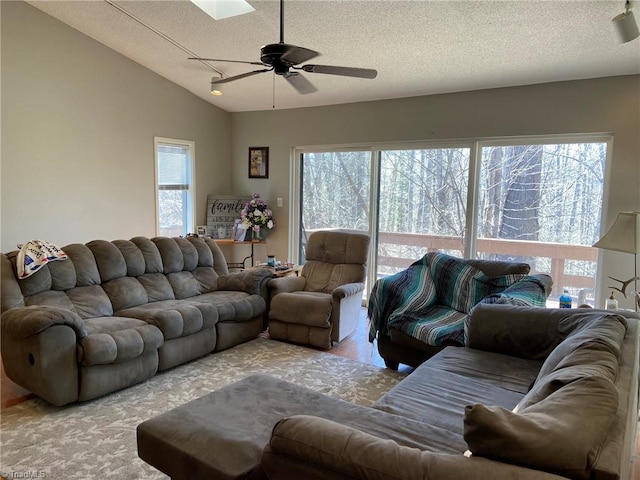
432, 298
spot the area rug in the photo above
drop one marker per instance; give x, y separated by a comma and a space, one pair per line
97, 439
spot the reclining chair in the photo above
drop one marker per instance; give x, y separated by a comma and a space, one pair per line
322, 305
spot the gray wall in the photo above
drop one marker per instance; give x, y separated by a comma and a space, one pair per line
78, 122
605, 105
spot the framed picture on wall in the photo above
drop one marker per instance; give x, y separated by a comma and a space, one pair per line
258, 162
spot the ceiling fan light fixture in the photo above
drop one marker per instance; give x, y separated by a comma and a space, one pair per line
215, 89
625, 25
219, 9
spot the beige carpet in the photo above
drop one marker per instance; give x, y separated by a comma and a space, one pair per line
97, 439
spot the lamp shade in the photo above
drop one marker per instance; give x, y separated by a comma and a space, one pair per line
624, 234
626, 27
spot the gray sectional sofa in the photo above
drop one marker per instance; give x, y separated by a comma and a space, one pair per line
114, 313
537, 394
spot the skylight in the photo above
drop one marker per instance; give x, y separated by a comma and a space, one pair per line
219, 9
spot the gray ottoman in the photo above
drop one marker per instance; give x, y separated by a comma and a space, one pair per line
222, 435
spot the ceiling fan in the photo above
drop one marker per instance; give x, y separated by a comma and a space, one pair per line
283, 59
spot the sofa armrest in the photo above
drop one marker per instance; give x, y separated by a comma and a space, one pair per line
347, 290
39, 351
253, 281
286, 285
345, 452
23, 322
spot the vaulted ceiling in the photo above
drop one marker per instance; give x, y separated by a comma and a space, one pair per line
418, 47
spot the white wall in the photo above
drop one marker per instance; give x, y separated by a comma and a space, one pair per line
606, 105
78, 121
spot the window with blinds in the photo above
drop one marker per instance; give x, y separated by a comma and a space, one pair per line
174, 186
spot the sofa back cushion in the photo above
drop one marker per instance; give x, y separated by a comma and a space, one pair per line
591, 338
109, 260
591, 349
102, 277
334, 258
498, 268
73, 284
10, 293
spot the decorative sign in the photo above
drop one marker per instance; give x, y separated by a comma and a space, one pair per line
222, 213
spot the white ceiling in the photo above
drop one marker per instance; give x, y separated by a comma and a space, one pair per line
419, 47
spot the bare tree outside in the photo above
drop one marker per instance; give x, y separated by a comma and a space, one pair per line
537, 203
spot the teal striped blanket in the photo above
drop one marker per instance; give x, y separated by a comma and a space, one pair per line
432, 298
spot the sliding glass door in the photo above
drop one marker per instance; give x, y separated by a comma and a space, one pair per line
422, 205
335, 192
539, 202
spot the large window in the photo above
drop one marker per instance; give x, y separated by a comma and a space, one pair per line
541, 203
335, 192
422, 204
536, 200
174, 183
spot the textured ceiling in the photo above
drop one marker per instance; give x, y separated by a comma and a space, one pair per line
419, 47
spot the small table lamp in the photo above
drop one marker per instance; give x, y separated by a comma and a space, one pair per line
624, 236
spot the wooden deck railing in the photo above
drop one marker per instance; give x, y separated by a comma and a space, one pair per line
558, 253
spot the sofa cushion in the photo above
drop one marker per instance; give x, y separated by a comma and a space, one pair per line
345, 452
562, 433
157, 287
116, 340
302, 308
592, 338
63, 275
233, 306
557, 379
125, 292
85, 264
504, 371
90, 301
437, 397
151, 254
110, 261
133, 257
184, 284
175, 318
172, 258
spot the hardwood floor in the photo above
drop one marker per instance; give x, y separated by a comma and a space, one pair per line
355, 347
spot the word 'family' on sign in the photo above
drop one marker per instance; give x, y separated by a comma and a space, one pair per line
222, 212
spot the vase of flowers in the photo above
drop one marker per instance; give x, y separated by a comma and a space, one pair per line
255, 216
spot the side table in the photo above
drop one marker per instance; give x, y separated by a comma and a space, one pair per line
280, 271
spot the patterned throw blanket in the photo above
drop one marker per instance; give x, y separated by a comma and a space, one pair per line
432, 298
34, 254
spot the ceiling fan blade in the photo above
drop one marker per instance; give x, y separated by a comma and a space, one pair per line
296, 55
344, 71
221, 60
238, 77
300, 83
